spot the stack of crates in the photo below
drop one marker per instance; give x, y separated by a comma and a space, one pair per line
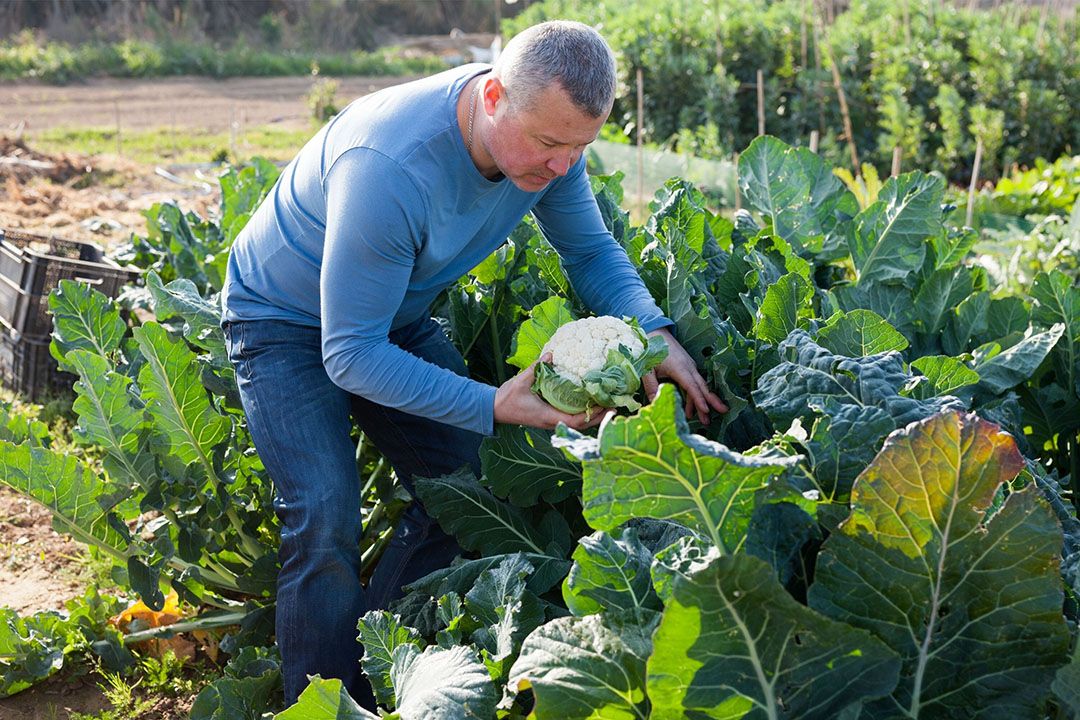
32, 266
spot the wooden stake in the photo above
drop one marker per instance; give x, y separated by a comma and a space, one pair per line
760, 103
974, 182
814, 137
848, 129
897, 156
640, 141
817, 69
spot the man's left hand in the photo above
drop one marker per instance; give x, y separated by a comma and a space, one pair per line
679, 367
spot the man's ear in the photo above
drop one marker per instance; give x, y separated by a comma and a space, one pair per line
493, 93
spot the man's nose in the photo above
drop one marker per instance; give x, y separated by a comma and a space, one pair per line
560, 164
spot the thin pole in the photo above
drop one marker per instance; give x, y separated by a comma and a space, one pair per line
760, 103
974, 181
640, 140
897, 156
814, 138
848, 129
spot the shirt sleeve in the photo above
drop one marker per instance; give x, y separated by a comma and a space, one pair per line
598, 267
374, 226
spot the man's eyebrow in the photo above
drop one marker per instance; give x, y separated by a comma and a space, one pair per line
556, 141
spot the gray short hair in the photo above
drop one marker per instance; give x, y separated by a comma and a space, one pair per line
570, 53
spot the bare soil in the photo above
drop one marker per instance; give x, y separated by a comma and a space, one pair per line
170, 102
89, 198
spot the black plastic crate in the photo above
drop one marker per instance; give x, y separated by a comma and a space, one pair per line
31, 266
27, 367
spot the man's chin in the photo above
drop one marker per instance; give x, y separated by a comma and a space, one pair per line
532, 183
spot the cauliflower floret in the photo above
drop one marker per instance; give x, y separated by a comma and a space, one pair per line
583, 345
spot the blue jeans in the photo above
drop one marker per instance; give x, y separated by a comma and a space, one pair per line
300, 422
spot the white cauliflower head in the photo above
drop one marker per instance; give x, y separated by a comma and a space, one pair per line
580, 346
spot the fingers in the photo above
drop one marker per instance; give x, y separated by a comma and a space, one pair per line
650, 384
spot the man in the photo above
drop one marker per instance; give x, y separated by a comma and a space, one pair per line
327, 300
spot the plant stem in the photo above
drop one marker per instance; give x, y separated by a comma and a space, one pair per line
249, 543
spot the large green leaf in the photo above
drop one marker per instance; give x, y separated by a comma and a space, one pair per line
202, 318
811, 375
794, 189
548, 572
859, 333
84, 318
999, 371
1005, 316
68, 488
1067, 686
843, 440
544, 320
325, 700
973, 606
184, 420
968, 323
107, 419
1057, 300
651, 465
939, 295
521, 465
584, 669
507, 611
439, 684
381, 633
945, 374
611, 573
895, 303
734, 643
787, 302
888, 242
479, 520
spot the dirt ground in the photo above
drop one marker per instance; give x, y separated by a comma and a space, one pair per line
40, 570
89, 198
167, 102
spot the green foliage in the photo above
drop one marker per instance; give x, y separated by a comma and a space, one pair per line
322, 100
25, 57
926, 77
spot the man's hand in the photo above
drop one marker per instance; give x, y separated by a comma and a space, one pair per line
679, 366
516, 403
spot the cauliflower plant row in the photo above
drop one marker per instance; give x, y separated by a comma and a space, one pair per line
597, 362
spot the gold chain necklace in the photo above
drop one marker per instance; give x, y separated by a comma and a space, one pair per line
472, 114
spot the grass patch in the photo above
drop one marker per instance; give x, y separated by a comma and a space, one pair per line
25, 57
164, 146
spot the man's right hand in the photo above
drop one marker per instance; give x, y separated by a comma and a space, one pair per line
516, 403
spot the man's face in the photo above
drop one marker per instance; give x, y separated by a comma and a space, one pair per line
533, 146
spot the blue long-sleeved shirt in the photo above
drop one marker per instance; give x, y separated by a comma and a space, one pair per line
380, 211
